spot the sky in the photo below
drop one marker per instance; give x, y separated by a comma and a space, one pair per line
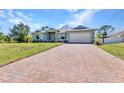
36, 18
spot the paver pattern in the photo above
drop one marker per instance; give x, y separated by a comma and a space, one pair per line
68, 63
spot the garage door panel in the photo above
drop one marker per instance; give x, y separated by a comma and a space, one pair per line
80, 37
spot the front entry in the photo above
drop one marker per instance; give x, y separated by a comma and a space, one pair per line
51, 36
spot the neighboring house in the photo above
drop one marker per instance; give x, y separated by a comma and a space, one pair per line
115, 38
79, 34
119, 34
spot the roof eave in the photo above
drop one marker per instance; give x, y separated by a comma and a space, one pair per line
81, 30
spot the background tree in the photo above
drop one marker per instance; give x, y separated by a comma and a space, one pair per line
19, 32
104, 30
2, 37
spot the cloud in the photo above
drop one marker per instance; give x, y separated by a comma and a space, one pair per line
15, 20
3, 23
2, 14
16, 17
35, 26
10, 13
72, 10
82, 17
12, 18
21, 15
79, 18
60, 25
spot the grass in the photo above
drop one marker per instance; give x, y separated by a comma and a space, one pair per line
12, 51
115, 49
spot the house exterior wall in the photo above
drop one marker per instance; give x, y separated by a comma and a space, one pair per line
60, 37
33, 37
93, 36
42, 36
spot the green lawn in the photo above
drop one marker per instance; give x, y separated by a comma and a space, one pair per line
115, 49
13, 51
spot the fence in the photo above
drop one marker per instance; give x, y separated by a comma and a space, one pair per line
113, 40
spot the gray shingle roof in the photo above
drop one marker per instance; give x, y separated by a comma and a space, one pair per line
77, 28
118, 34
81, 27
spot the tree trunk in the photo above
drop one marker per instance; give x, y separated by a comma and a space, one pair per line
103, 38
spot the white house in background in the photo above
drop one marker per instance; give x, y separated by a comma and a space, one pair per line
79, 34
115, 38
119, 34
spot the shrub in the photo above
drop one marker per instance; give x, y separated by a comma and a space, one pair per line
2, 41
28, 39
98, 42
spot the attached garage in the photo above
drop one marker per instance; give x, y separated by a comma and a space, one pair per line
80, 36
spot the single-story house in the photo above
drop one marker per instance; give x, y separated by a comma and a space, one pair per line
79, 34
118, 34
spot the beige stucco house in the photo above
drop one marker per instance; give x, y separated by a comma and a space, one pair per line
79, 34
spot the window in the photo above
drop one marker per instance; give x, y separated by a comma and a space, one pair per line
62, 37
37, 37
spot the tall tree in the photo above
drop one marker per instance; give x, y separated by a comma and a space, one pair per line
104, 30
19, 32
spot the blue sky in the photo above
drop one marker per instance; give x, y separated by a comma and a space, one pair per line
60, 17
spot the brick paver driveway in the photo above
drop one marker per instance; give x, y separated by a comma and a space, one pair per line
66, 63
